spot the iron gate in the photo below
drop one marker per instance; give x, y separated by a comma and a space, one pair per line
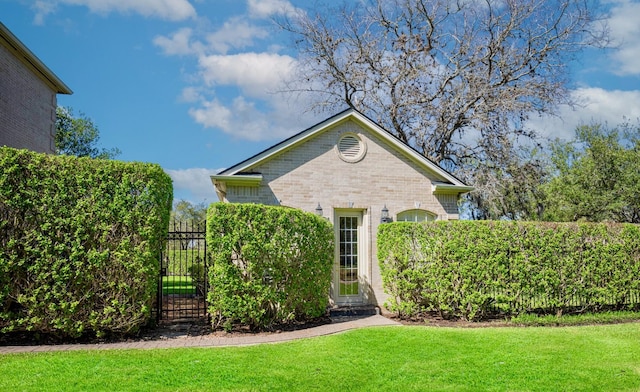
182, 284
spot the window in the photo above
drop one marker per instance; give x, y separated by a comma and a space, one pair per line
416, 216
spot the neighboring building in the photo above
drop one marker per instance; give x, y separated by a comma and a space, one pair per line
356, 174
28, 98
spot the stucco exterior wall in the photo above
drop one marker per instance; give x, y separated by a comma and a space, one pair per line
27, 107
313, 173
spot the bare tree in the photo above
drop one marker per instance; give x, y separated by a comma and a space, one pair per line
455, 79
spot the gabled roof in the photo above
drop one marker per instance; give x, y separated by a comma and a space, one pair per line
235, 172
27, 57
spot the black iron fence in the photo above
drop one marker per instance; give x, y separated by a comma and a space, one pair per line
182, 284
568, 303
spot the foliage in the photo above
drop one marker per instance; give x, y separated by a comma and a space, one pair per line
79, 136
457, 80
186, 212
178, 257
598, 358
469, 269
197, 272
598, 176
79, 242
271, 264
186, 218
575, 319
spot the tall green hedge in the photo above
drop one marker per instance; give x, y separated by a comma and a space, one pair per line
271, 265
471, 268
79, 242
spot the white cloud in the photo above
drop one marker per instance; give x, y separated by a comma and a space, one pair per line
236, 90
190, 94
213, 114
257, 74
260, 111
625, 30
42, 9
268, 8
243, 118
174, 10
597, 105
235, 33
178, 43
193, 184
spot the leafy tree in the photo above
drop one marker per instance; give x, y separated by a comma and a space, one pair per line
185, 211
79, 136
597, 176
455, 79
190, 216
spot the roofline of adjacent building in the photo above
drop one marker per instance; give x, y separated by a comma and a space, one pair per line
31, 60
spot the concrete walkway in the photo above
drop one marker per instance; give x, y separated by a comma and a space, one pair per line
175, 340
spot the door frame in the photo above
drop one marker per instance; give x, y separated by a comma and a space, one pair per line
362, 259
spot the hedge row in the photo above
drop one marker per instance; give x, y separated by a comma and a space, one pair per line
79, 242
271, 265
469, 269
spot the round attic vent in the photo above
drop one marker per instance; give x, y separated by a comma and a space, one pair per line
351, 148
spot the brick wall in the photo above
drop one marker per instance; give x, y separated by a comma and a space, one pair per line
313, 173
27, 107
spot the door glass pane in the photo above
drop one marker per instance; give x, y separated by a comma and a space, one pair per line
348, 256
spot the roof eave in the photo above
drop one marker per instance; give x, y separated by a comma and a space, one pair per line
439, 189
31, 60
238, 180
327, 124
285, 144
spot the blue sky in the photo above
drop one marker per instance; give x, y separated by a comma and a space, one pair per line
189, 84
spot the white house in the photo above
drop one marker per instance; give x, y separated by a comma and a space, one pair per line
357, 175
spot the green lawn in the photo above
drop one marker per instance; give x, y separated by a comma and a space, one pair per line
593, 358
177, 285
347, 288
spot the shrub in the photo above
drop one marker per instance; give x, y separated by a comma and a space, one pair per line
271, 265
79, 242
197, 272
469, 269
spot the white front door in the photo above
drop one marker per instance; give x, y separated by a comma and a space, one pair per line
349, 261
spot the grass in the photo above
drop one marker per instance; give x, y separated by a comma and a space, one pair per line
589, 358
177, 261
347, 288
178, 285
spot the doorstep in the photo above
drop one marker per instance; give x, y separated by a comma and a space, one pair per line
353, 311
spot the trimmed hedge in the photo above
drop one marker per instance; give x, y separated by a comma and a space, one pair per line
79, 242
469, 269
271, 265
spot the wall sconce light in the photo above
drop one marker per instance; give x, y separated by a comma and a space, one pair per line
319, 210
384, 216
